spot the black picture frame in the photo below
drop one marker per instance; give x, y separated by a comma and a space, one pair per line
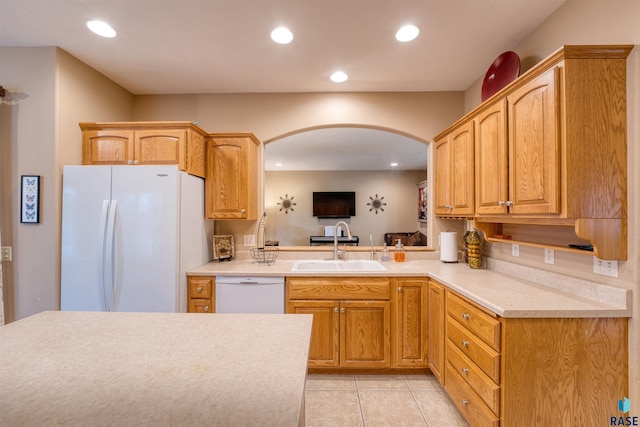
30, 199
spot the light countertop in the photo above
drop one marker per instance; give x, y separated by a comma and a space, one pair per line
134, 369
504, 294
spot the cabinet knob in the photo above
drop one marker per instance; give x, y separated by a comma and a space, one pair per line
465, 316
399, 288
465, 402
335, 310
500, 203
342, 310
199, 289
206, 308
509, 203
135, 162
465, 343
129, 162
465, 370
243, 211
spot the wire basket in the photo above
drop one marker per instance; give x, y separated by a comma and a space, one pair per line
264, 256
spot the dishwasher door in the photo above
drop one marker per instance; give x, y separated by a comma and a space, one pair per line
249, 294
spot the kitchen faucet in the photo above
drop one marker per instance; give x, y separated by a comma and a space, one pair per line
336, 253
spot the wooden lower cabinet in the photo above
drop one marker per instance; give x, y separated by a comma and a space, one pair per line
201, 294
352, 320
437, 338
410, 322
532, 371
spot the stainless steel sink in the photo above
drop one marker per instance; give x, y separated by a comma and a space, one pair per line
338, 265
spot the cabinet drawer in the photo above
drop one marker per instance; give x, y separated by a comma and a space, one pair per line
477, 321
488, 390
200, 287
481, 354
342, 288
200, 305
469, 404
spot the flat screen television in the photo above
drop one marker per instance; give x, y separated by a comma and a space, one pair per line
334, 204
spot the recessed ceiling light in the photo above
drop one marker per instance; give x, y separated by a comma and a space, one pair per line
339, 77
278, 164
393, 164
282, 35
407, 33
101, 28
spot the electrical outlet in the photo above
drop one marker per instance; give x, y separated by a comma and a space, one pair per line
6, 254
249, 240
515, 249
605, 267
549, 256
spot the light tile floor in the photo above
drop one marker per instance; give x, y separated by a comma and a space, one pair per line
378, 400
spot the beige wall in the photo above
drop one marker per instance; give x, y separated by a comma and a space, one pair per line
38, 135
398, 188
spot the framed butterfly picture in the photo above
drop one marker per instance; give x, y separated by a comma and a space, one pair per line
30, 199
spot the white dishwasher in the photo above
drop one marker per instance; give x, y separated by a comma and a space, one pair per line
244, 294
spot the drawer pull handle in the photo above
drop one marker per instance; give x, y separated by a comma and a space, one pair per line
465, 316
465, 370
465, 343
199, 289
206, 308
465, 402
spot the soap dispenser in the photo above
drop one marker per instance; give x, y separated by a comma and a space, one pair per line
385, 254
398, 254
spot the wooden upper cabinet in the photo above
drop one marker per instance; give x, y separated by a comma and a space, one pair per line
231, 186
492, 160
534, 146
454, 169
145, 143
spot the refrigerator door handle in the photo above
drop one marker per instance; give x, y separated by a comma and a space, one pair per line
104, 278
109, 260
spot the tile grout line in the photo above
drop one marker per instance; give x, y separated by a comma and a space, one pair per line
355, 379
426, 423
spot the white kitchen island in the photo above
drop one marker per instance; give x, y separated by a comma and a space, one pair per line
135, 369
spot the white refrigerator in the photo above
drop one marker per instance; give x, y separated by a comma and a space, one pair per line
129, 234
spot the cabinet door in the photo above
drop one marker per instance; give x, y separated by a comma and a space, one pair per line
442, 177
436, 330
160, 147
107, 147
454, 169
462, 170
491, 162
534, 171
325, 337
365, 334
411, 323
231, 184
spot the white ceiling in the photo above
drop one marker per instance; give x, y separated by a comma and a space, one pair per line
224, 46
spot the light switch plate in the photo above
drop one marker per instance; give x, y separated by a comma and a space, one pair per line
6, 254
549, 256
249, 240
605, 267
515, 249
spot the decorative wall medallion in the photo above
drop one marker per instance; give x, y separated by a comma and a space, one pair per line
286, 203
376, 203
